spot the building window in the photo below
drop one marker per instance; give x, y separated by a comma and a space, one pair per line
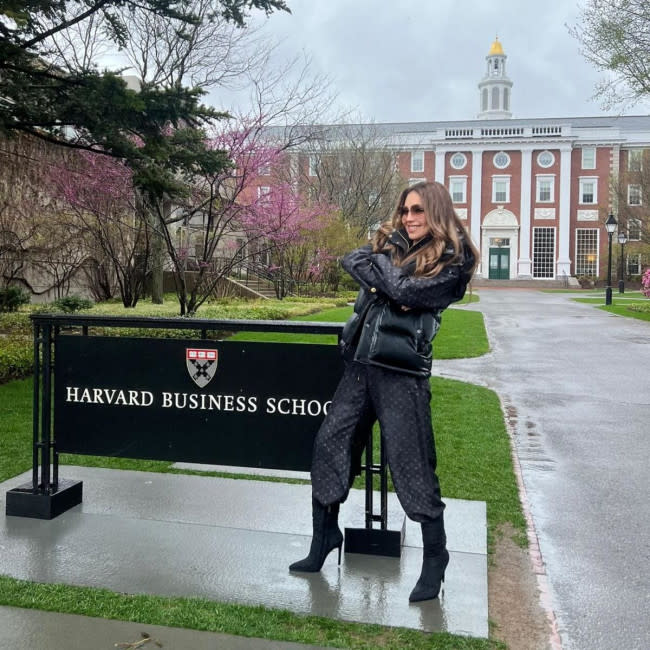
543, 252
417, 161
634, 229
458, 160
635, 160
263, 192
313, 165
545, 189
458, 189
589, 157
415, 181
587, 251
634, 264
500, 189
264, 169
506, 100
588, 190
545, 159
634, 195
484, 100
501, 160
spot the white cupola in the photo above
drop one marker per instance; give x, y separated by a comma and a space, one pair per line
495, 87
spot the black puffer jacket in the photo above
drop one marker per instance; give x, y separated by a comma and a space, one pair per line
380, 332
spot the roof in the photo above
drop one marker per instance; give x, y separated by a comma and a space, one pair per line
496, 47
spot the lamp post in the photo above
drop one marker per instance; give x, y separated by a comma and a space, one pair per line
622, 240
610, 225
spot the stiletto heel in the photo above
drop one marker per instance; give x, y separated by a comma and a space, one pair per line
327, 536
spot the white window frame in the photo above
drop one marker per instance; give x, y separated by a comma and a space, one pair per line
463, 181
538, 188
629, 194
595, 231
417, 162
636, 257
264, 169
415, 181
588, 161
507, 159
635, 160
500, 179
313, 165
546, 152
553, 257
581, 182
461, 156
634, 229
263, 191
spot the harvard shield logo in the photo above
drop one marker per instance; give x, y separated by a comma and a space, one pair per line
201, 364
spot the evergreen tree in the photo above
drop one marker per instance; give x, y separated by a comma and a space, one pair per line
157, 132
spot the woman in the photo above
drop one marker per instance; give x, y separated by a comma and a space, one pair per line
418, 264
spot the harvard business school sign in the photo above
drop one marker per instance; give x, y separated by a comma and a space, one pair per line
248, 404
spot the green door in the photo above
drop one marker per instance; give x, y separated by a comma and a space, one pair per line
499, 264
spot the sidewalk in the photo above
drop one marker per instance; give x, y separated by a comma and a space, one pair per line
232, 540
574, 381
35, 630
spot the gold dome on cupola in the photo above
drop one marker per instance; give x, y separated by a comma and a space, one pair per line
496, 47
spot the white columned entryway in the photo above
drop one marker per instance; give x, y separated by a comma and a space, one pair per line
524, 263
563, 260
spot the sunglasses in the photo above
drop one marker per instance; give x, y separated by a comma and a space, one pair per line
416, 209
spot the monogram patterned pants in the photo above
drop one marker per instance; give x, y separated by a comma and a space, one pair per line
401, 403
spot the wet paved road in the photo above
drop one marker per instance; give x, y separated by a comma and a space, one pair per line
575, 382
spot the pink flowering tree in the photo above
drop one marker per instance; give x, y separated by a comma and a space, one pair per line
645, 283
96, 193
229, 221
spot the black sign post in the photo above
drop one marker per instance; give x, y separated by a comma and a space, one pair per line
192, 399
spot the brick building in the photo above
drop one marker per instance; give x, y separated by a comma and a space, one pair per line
534, 193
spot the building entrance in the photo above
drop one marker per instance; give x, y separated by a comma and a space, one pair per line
499, 264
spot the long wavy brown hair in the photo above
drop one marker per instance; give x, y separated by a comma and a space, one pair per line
445, 228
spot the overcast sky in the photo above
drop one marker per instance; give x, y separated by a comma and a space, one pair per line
408, 60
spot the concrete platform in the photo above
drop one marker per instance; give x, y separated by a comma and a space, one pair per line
232, 540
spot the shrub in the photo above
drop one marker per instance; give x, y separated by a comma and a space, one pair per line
15, 323
16, 357
13, 297
71, 304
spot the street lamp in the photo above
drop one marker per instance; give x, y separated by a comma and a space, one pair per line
622, 240
610, 225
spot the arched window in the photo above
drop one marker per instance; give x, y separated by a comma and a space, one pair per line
484, 103
506, 100
495, 99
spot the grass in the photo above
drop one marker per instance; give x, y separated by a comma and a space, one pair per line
461, 335
631, 305
474, 463
201, 614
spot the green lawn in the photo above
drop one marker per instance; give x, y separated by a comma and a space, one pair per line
631, 305
462, 333
474, 463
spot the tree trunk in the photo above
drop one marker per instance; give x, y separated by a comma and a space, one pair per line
157, 264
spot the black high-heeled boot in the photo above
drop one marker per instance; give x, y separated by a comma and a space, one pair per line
327, 536
435, 559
